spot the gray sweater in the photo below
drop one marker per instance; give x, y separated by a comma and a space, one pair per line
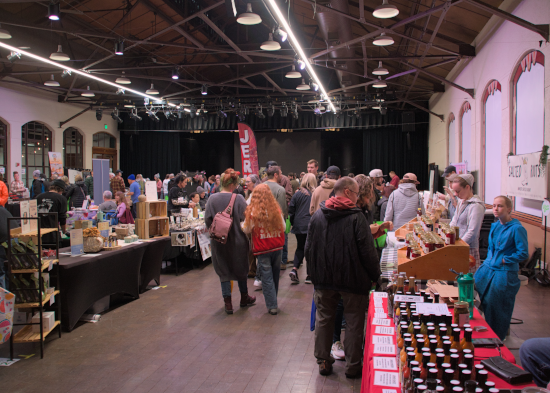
469, 217
280, 196
403, 205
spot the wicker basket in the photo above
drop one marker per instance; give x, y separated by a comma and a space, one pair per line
93, 244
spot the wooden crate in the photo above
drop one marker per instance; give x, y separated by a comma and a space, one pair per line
146, 210
152, 227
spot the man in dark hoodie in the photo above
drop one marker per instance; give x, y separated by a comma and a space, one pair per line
342, 263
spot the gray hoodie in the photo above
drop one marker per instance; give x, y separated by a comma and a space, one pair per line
469, 217
403, 205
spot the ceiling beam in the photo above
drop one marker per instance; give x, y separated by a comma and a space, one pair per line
62, 123
384, 58
441, 117
422, 14
470, 92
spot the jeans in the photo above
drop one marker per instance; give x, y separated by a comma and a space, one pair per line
535, 358
285, 250
270, 266
226, 287
299, 254
133, 210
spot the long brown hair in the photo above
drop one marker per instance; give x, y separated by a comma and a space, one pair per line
121, 197
264, 212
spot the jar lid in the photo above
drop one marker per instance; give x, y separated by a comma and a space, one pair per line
460, 304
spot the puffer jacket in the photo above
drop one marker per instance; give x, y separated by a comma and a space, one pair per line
469, 217
321, 193
403, 205
382, 204
340, 251
298, 211
77, 194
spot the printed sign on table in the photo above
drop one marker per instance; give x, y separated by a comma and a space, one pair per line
382, 378
24, 207
77, 242
33, 212
103, 228
151, 191
383, 363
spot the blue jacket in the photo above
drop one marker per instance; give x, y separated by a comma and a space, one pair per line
508, 242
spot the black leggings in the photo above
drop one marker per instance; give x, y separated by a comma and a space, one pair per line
299, 254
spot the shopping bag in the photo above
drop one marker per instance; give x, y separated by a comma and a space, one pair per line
7, 304
288, 226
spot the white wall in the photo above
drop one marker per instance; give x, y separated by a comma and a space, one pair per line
20, 105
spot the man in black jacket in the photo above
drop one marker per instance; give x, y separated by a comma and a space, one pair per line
342, 264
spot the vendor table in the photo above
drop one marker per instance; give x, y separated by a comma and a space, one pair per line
152, 261
367, 384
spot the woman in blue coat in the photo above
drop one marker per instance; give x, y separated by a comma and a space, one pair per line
497, 280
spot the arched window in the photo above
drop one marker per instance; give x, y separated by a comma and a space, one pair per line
451, 141
104, 147
465, 134
528, 128
492, 142
73, 148
36, 142
4, 149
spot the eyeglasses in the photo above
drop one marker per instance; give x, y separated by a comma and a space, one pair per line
356, 193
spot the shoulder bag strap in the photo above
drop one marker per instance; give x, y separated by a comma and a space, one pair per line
229, 208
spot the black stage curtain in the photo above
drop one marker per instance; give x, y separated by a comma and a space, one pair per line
211, 152
391, 149
149, 153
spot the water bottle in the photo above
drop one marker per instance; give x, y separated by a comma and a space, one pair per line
466, 289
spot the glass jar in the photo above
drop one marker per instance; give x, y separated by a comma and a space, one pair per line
461, 313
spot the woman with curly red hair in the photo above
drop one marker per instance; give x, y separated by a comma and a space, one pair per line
264, 220
230, 260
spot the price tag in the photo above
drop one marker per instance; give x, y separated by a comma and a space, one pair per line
408, 299
383, 363
389, 391
379, 295
383, 349
388, 340
380, 315
382, 378
382, 322
378, 304
384, 330
379, 309
51, 265
52, 299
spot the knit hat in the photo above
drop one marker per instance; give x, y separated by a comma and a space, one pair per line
59, 183
469, 179
131, 177
200, 190
36, 173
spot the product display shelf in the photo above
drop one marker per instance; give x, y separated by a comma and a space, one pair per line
146, 210
436, 263
26, 334
152, 227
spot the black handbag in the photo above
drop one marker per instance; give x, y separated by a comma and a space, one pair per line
507, 371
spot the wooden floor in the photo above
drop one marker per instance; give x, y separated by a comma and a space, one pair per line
178, 339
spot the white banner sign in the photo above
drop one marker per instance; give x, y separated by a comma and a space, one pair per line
526, 179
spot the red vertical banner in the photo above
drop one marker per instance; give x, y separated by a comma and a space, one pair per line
249, 150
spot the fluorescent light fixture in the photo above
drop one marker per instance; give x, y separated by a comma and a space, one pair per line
88, 93
385, 11
380, 84
376, 107
302, 86
53, 11
129, 105
4, 34
270, 44
380, 70
74, 70
119, 48
59, 55
293, 73
296, 44
52, 82
249, 17
123, 80
383, 40
152, 91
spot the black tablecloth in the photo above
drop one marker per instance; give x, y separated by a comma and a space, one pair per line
152, 262
85, 280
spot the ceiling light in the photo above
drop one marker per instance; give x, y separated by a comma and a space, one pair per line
221, 114
52, 82
385, 11
98, 114
72, 70
380, 84
284, 111
4, 34
134, 115
315, 101
152, 90
314, 86
302, 86
123, 80
301, 64
271, 110
66, 74
293, 73
53, 11
115, 116
204, 90
129, 105
88, 93
383, 110
281, 34
383, 40
13, 56
175, 74
380, 70
376, 107
249, 17
120, 91
119, 48
270, 44
59, 55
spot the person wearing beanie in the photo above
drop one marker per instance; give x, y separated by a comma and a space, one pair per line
203, 197
37, 186
53, 201
134, 193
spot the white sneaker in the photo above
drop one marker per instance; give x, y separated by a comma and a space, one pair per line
257, 283
337, 351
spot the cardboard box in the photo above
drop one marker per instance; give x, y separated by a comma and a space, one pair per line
121, 232
48, 321
87, 224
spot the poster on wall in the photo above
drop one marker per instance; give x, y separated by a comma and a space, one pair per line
527, 177
249, 150
461, 167
56, 163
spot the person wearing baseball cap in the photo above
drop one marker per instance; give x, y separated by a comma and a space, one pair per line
451, 200
134, 193
53, 201
378, 176
469, 215
450, 170
403, 203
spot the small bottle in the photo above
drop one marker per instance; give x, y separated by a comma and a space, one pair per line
406, 371
447, 378
417, 382
447, 351
421, 389
465, 375
424, 368
439, 362
468, 340
436, 297
406, 346
455, 383
442, 333
432, 385
458, 389
468, 360
480, 373
456, 340
415, 373
433, 347
470, 386
432, 373
424, 326
454, 365
418, 350
488, 386
431, 331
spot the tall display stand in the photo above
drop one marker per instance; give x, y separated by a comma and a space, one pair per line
152, 220
21, 267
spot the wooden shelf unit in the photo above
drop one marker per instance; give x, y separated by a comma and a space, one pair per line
45, 265
26, 335
37, 304
151, 209
152, 227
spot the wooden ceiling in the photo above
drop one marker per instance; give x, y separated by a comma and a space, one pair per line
208, 47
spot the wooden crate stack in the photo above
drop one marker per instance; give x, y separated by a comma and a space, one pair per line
152, 219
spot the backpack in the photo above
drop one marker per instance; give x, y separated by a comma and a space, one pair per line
222, 223
42, 189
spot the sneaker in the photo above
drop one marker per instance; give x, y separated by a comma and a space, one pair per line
294, 276
258, 284
308, 280
273, 311
325, 368
337, 351
283, 266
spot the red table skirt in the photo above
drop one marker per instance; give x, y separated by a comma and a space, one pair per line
367, 384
